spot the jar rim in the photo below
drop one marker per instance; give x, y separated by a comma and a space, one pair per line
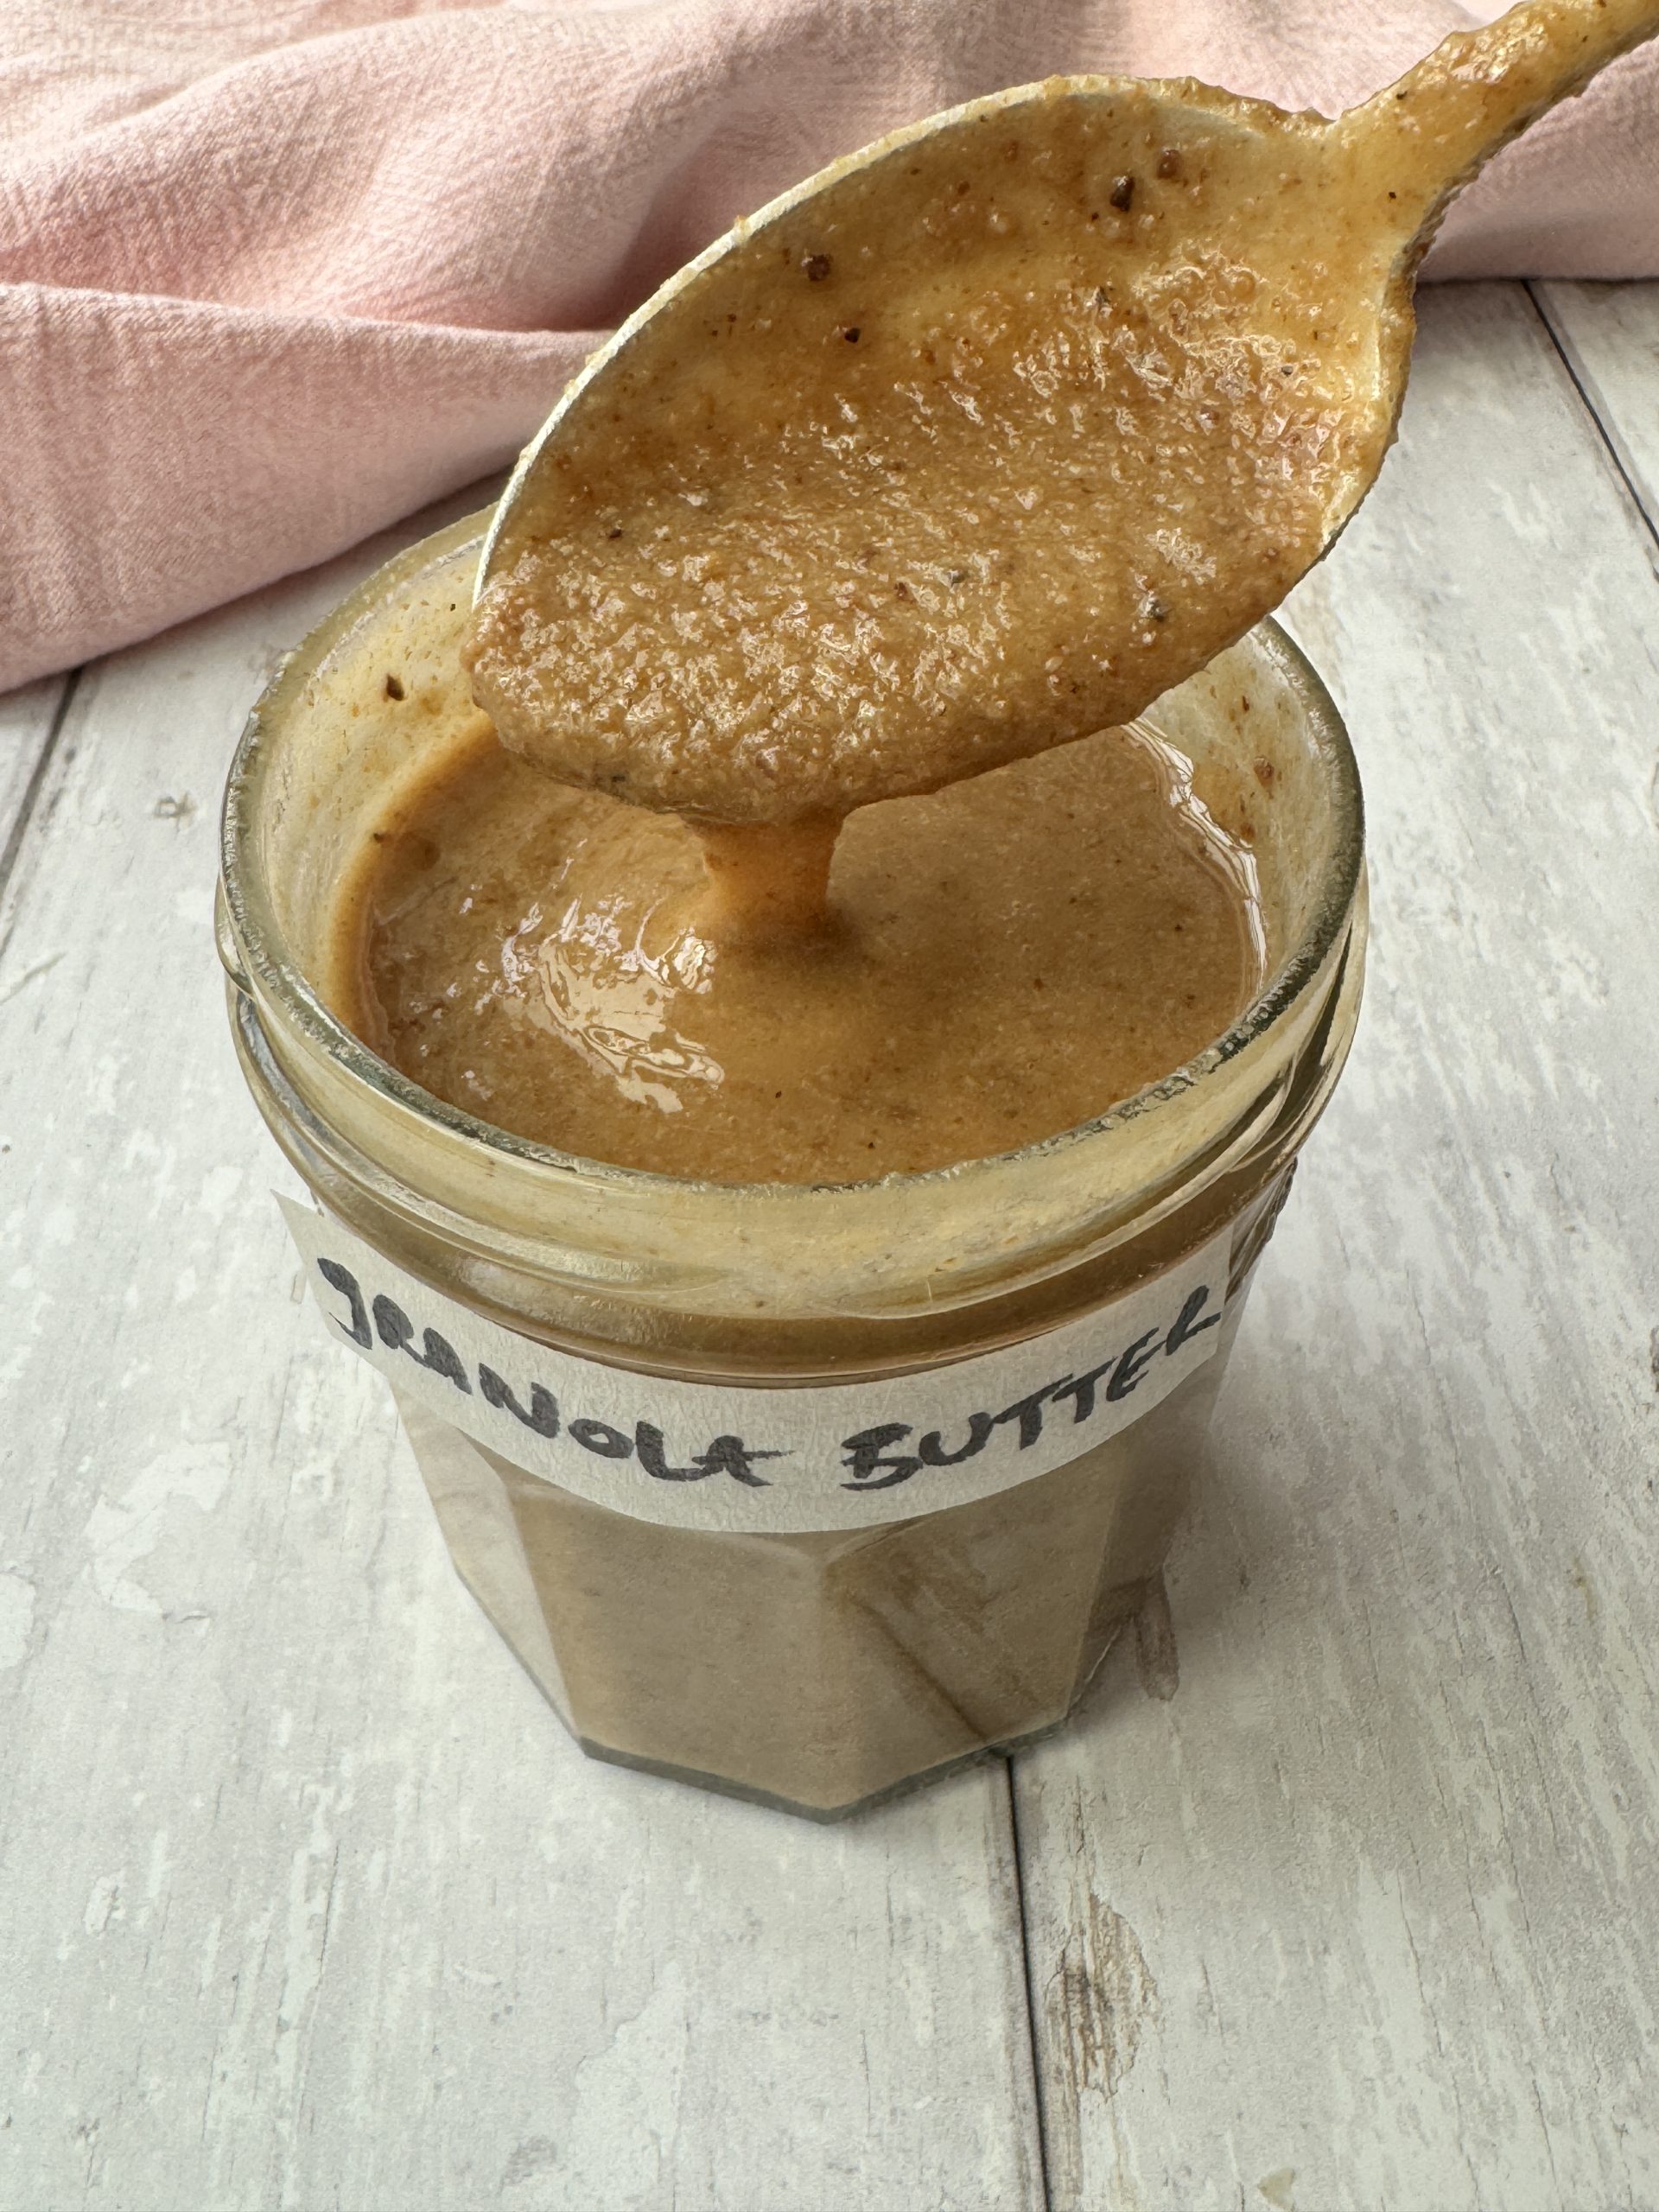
260, 946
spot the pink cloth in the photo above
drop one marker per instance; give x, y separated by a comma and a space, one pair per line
274, 272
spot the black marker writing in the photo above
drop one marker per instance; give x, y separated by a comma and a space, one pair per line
931, 1448
729, 1455
873, 1458
1187, 1323
543, 1414
1133, 1366
1028, 1412
342, 1279
653, 1459
867, 1457
396, 1332
598, 1436
1082, 1388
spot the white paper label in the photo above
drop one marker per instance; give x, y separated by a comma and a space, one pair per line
703, 1455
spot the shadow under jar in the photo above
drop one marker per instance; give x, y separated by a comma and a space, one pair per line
813, 1667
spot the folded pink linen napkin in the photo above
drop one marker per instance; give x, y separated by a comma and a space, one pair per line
274, 272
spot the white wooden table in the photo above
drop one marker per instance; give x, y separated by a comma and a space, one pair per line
1340, 1893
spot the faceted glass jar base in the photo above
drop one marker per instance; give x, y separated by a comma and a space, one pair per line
821, 1673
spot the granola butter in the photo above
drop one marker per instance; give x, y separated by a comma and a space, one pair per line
989, 436
1000, 961
982, 451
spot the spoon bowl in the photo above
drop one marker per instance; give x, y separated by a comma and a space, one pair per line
985, 436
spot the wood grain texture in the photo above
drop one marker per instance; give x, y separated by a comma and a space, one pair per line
28, 719
305, 1898
1367, 1913
1610, 334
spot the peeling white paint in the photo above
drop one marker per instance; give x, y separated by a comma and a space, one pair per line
121, 1533
17, 1618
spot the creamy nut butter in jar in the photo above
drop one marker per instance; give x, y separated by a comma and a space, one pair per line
804, 1492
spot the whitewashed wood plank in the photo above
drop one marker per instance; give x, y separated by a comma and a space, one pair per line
1366, 1913
305, 1898
1610, 334
27, 718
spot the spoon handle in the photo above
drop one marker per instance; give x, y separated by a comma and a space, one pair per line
1420, 140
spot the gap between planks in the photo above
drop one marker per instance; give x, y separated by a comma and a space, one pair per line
13, 835
1602, 415
1039, 2087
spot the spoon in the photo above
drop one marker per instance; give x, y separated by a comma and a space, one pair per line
985, 436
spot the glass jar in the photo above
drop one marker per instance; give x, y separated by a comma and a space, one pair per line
816, 1669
